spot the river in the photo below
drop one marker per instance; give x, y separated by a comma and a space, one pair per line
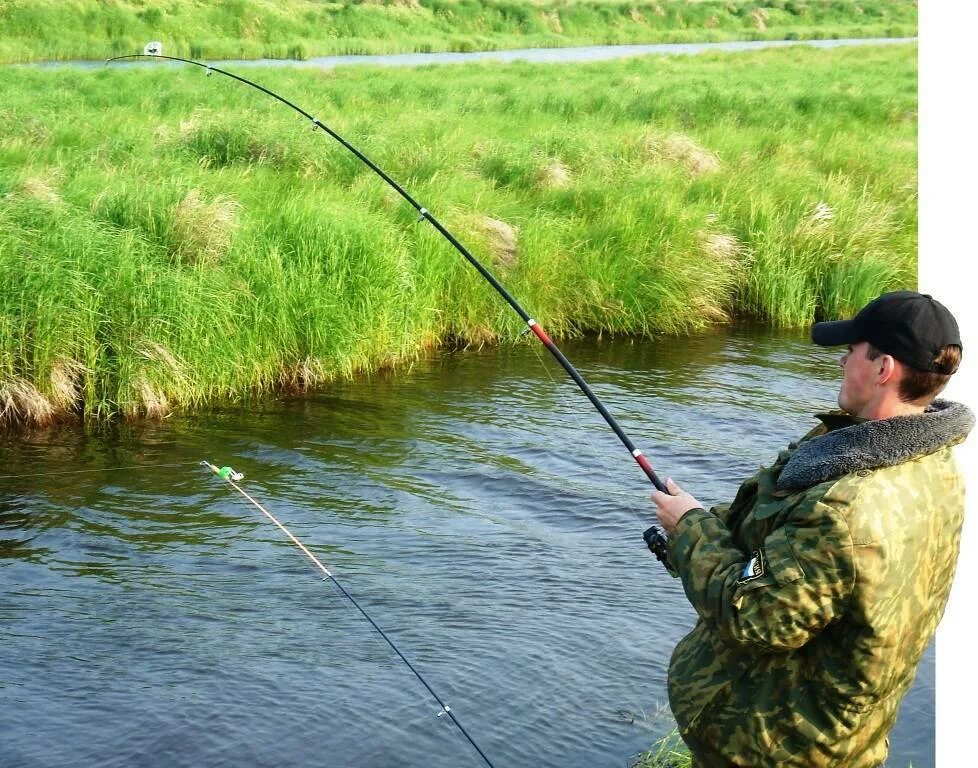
473, 503
544, 55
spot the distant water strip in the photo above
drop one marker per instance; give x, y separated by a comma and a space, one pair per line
541, 55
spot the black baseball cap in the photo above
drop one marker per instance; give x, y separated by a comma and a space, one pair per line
910, 326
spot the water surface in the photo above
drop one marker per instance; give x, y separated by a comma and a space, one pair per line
474, 504
544, 55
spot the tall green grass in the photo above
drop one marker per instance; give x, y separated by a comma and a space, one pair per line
32, 30
172, 240
667, 752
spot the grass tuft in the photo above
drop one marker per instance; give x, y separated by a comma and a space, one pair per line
202, 232
22, 405
681, 151
668, 752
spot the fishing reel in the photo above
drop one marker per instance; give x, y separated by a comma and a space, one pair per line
658, 545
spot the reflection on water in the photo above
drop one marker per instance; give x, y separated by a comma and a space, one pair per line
475, 505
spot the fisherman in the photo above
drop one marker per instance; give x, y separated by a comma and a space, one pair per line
819, 588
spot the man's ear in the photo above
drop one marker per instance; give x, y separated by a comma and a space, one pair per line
888, 369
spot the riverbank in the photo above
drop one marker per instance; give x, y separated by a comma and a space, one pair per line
173, 241
297, 29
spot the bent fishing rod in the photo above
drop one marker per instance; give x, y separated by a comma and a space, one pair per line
654, 537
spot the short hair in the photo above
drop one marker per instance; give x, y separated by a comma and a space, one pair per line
917, 385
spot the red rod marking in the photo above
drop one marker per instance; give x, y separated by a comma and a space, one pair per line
644, 463
541, 334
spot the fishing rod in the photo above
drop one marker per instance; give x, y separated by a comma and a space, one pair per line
654, 537
232, 478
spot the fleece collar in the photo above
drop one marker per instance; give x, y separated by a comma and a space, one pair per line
874, 444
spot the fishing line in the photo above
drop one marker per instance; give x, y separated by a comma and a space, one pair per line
103, 469
654, 537
231, 477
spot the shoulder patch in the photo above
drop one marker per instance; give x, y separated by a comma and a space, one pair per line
754, 568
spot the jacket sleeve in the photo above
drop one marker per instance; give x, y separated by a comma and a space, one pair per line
722, 513
777, 597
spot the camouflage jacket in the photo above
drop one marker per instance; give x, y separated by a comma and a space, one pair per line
818, 589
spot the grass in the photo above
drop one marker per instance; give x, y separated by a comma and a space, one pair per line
668, 752
32, 30
671, 752
169, 240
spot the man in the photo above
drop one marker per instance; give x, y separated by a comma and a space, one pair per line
819, 588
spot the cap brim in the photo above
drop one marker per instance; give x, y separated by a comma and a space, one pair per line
835, 333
